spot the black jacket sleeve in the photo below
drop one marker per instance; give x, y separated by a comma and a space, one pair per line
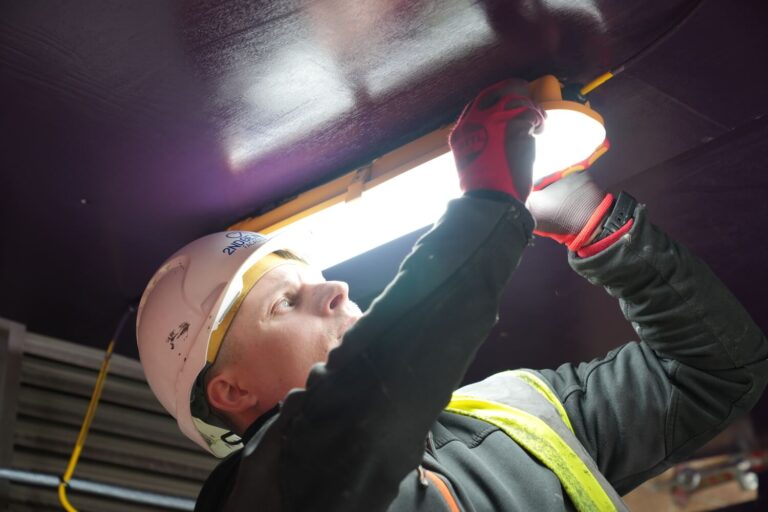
701, 361
348, 439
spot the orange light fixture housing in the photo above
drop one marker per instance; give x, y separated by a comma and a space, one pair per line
573, 135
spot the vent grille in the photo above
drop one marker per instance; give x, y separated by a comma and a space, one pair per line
132, 443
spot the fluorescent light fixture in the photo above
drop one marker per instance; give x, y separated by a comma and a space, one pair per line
353, 214
401, 205
569, 137
572, 131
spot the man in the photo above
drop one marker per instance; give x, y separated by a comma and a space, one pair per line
242, 341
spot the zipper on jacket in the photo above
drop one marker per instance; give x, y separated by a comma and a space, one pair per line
422, 476
426, 476
430, 445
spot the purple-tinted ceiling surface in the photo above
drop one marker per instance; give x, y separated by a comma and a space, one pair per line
131, 127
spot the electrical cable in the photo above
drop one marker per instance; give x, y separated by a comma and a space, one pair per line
600, 80
89, 414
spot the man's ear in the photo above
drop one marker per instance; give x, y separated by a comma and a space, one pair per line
226, 395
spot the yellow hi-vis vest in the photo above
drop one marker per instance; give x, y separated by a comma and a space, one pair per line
523, 406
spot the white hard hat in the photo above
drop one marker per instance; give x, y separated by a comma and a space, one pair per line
183, 316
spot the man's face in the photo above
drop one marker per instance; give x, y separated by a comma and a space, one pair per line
290, 320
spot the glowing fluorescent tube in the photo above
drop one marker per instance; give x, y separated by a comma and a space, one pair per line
398, 206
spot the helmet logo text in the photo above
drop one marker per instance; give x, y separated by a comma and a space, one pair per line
240, 240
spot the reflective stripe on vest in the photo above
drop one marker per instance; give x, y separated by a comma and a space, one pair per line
546, 436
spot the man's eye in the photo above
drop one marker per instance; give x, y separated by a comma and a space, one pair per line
284, 303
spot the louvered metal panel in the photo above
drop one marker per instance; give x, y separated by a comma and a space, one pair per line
133, 443
30, 499
12, 337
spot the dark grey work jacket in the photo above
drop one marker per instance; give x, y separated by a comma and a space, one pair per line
353, 440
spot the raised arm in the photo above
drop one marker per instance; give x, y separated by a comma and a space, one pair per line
700, 364
348, 439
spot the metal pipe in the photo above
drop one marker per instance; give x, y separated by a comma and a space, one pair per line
98, 489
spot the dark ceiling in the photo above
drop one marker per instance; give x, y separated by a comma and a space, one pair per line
132, 127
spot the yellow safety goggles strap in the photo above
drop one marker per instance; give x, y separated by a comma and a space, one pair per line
543, 443
249, 278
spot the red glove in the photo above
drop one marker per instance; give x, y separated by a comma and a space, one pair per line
571, 210
492, 141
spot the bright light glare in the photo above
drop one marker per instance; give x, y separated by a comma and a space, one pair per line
403, 204
298, 90
418, 197
569, 137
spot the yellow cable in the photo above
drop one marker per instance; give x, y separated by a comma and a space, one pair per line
597, 82
63, 498
84, 428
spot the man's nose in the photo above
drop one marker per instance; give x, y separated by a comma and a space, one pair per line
333, 295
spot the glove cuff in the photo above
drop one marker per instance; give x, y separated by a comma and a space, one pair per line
604, 243
616, 224
594, 222
622, 211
